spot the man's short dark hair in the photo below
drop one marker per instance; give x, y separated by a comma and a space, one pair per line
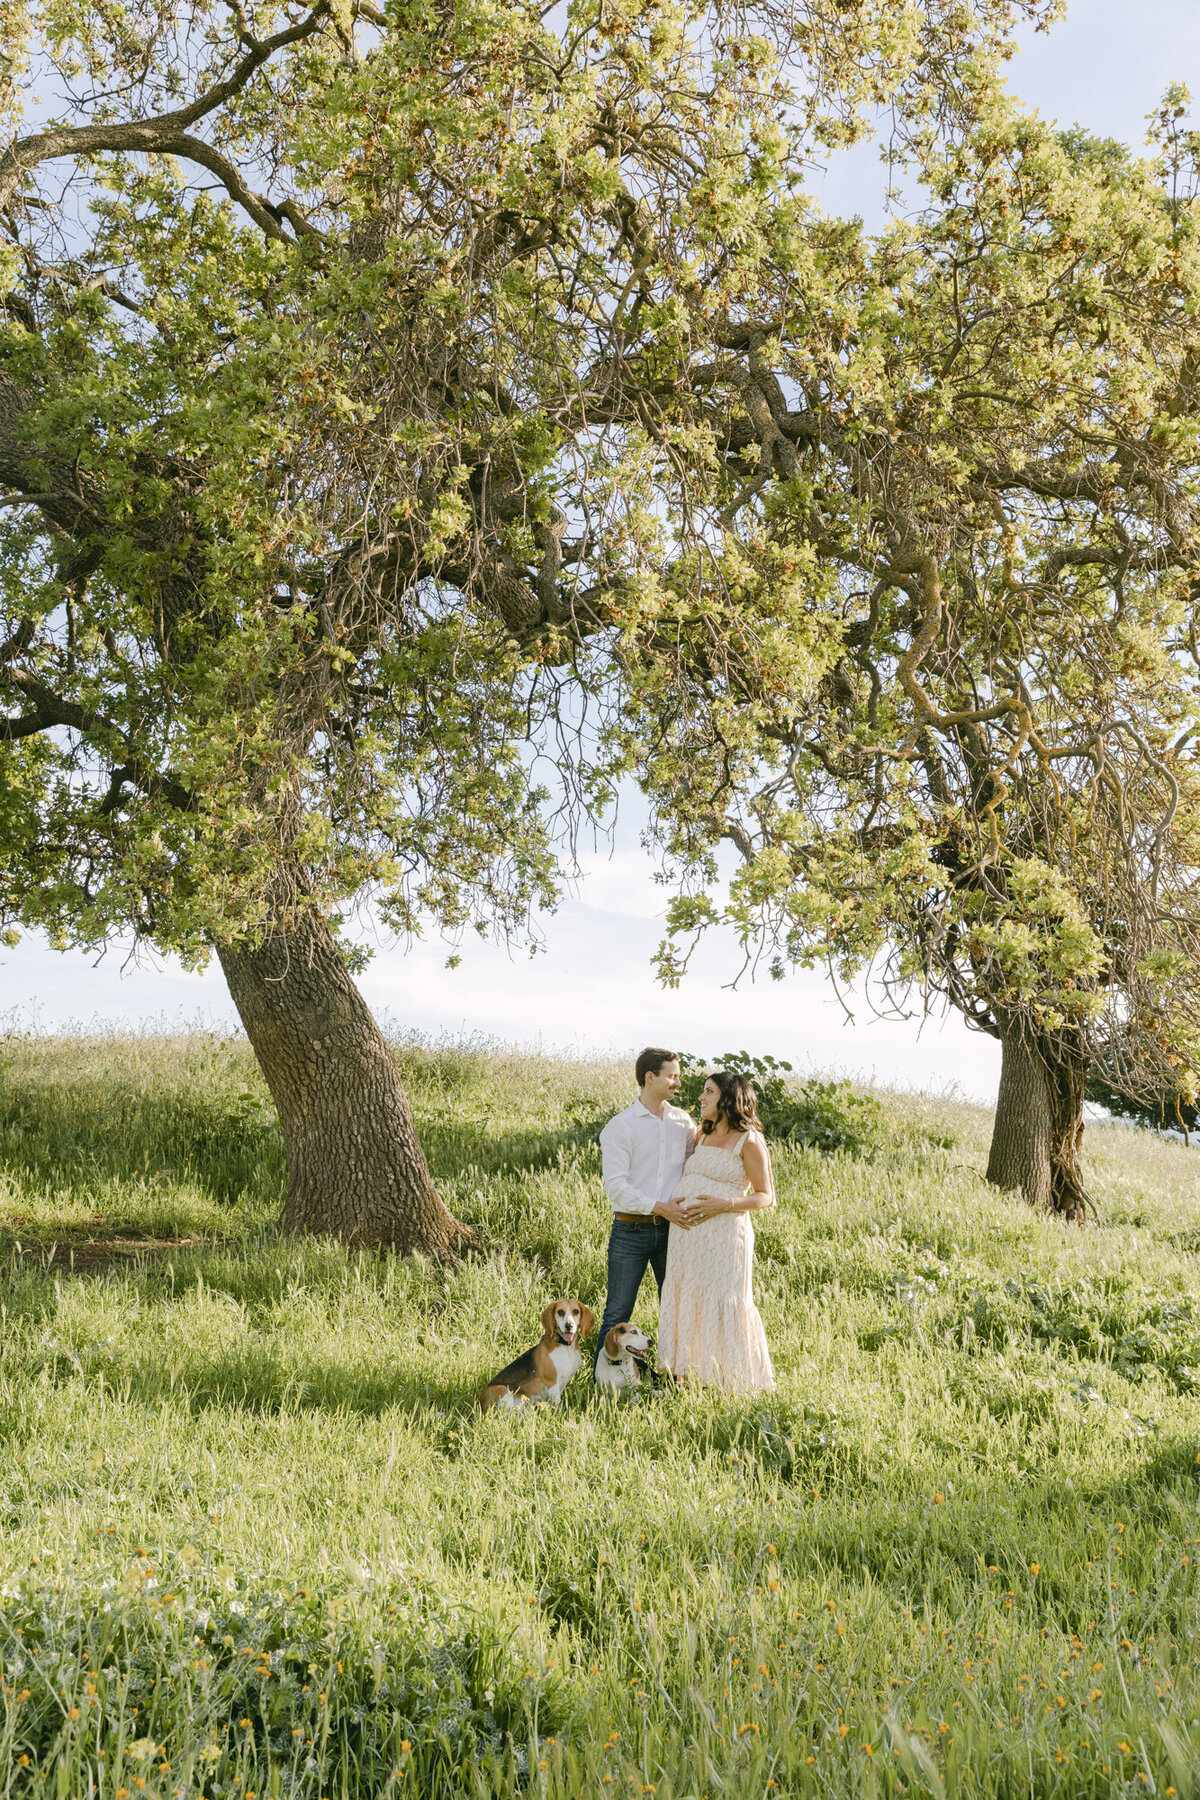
651, 1061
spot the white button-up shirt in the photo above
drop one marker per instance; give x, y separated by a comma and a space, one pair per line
643, 1156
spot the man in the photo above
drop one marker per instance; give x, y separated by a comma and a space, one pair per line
643, 1151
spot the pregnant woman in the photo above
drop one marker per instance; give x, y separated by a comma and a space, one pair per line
709, 1325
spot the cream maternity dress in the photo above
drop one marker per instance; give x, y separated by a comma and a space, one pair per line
708, 1322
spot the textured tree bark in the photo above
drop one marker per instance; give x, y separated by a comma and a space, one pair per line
1037, 1138
356, 1169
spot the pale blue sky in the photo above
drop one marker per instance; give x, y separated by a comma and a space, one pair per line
1104, 67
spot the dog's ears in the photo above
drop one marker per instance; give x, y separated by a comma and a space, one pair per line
612, 1341
587, 1320
548, 1316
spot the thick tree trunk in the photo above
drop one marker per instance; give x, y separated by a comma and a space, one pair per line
356, 1169
1037, 1139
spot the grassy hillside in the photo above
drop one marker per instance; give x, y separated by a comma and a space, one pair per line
255, 1541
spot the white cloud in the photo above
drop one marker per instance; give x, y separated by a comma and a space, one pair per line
620, 882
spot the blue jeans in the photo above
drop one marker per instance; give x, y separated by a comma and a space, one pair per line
631, 1248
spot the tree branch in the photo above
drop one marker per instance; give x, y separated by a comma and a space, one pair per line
29, 726
157, 135
194, 149
52, 710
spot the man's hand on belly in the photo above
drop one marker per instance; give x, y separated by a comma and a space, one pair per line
671, 1210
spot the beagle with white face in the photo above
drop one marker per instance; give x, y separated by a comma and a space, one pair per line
622, 1357
543, 1372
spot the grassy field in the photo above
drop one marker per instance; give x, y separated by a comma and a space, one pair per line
256, 1542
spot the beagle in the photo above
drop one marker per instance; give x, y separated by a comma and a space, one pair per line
543, 1372
622, 1355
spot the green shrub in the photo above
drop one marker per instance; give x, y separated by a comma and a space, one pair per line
826, 1114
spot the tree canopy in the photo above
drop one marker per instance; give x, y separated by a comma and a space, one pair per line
984, 474
362, 395
304, 489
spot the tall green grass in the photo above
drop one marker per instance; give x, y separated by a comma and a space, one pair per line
256, 1540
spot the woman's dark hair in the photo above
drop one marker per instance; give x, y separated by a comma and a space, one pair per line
738, 1105
651, 1061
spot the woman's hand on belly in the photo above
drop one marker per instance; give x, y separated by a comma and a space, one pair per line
700, 1207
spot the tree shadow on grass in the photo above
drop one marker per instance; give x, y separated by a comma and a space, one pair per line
256, 1382
69, 1239
456, 1149
1154, 1491
92, 1246
226, 1144
62, 1139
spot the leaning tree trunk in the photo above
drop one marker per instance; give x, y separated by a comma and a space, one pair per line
356, 1169
1038, 1135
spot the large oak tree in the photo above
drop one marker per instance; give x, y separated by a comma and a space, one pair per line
346, 460
975, 443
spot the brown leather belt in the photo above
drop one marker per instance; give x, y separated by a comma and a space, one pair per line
635, 1218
